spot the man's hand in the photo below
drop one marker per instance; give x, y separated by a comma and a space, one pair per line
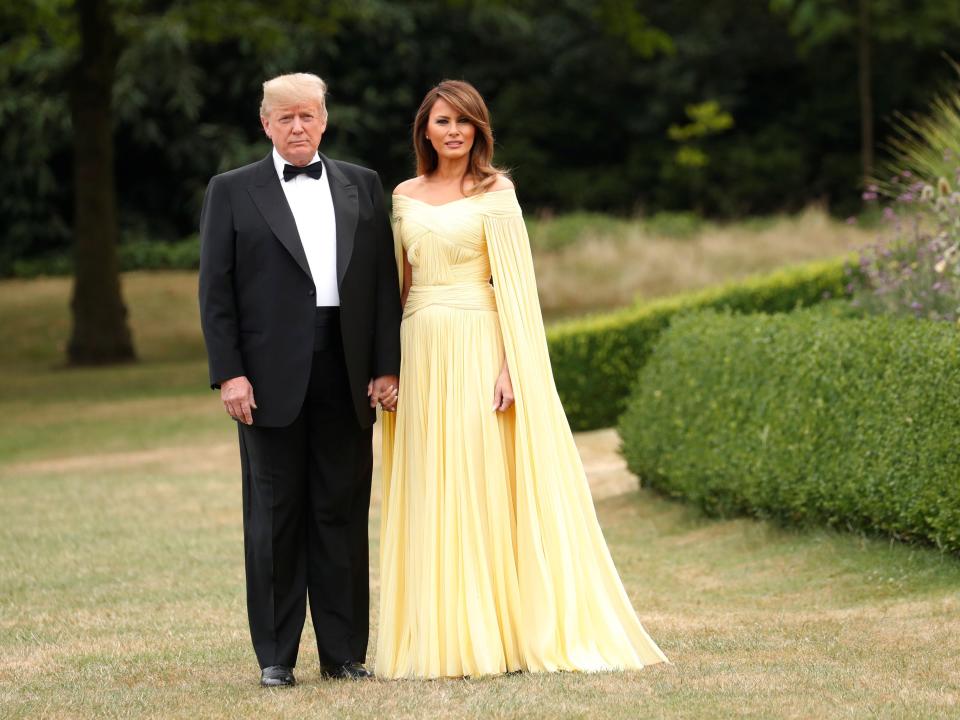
384, 390
237, 396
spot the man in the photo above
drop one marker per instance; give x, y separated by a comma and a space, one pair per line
300, 309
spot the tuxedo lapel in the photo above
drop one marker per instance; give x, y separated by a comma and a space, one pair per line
346, 210
270, 200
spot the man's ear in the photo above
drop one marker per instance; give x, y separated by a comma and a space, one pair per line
265, 122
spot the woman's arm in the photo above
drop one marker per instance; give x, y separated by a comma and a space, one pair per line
407, 187
407, 281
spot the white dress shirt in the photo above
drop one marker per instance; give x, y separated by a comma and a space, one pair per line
312, 207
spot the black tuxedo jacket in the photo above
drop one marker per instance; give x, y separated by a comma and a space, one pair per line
257, 297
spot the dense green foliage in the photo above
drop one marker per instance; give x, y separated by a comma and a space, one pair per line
584, 96
805, 419
595, 360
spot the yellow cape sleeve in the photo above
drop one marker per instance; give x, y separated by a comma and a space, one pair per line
572, 597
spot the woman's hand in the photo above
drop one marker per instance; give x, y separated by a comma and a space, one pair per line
503, 391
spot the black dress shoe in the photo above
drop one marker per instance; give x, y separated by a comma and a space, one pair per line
277, 676
347, 671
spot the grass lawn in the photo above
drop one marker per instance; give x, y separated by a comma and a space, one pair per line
121, 574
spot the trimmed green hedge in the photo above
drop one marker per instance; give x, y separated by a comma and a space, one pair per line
806, 419
596, 360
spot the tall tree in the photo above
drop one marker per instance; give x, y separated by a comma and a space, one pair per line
84, 54
923, 23
865, 87
101, 333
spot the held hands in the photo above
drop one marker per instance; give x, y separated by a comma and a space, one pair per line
237, 397
503, 391
238, 400
385, 391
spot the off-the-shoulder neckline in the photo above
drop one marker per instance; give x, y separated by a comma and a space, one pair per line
451, 202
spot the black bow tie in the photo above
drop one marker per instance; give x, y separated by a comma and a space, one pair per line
315, 170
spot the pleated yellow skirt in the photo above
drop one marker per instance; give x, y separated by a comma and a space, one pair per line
450, 582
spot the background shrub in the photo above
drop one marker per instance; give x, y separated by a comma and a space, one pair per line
134, 255
807, 419
595, 360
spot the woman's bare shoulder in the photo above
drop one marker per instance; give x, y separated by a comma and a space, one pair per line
502, 183
409, 187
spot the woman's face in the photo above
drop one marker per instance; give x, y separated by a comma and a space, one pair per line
450, 133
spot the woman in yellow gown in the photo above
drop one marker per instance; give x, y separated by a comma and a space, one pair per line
491, 556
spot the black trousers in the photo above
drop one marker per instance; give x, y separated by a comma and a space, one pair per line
306, 499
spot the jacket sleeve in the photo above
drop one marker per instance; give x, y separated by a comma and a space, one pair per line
218, 307
386, 341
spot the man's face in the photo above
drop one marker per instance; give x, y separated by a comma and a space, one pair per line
295, 131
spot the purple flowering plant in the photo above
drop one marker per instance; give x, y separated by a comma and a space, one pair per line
914, 267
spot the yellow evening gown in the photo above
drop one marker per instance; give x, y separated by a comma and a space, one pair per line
491, 556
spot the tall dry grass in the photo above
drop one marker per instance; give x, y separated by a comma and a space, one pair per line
595, 266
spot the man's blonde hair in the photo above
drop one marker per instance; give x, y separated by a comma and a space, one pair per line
292, 89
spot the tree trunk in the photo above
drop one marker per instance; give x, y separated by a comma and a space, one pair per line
100, 333
866, 93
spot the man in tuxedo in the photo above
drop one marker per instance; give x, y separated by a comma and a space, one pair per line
300, 309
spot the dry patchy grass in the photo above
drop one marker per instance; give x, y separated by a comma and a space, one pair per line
121, 595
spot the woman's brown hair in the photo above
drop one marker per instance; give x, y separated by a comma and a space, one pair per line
465, 99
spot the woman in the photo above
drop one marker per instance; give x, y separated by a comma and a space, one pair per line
491, 556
